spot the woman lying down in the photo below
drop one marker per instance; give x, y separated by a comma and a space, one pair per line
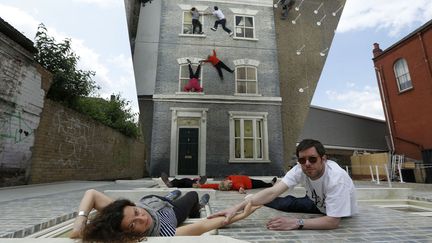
124, 221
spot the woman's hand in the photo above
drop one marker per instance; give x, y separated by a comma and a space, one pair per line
248, 210
78, 227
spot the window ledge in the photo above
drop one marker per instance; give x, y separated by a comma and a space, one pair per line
406, 90
190, 93
248, 161
245, 94
242, 38
193, 35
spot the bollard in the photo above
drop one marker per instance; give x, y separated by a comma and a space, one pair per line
388, 175
377, 174
400, 173
372, 176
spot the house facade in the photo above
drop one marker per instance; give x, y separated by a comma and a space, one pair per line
404, 74
241, 123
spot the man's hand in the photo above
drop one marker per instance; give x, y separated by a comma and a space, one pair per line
282, 223
242, 190
227, 213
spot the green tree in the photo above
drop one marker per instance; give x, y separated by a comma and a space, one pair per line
115, 113
72, 86
69, 82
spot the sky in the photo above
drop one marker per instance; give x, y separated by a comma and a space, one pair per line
348, 83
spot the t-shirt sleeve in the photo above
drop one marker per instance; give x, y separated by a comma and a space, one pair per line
293, 176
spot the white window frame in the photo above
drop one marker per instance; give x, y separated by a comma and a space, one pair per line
201, 19
246, 80
254, 117
244, 27
194, 66
402, 75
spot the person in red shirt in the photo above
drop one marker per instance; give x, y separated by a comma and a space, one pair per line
218, 64
239, 183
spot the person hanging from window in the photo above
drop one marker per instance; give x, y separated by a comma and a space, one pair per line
220, 20
193, 84
195, 21
218, 64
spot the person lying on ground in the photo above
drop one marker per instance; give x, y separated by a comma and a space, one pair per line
124, 221
329, 192
183, 182
238, 183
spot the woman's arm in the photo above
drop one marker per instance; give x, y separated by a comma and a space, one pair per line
206, 225
92, 199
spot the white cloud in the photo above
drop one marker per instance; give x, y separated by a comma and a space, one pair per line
20, 20
366, 101
103, 3
391, 15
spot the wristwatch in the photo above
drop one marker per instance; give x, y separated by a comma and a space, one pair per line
300, 224
83, 213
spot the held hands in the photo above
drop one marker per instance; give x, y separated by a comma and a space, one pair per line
248, 210
282, 223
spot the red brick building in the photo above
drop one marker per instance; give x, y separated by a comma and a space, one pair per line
404, 74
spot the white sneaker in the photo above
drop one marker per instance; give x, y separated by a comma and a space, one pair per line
214, 29
231, 33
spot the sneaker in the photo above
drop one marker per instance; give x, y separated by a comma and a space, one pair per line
274, 180
212, 28
189, 61
201, 33
173, 195
231, 33
204, 200
202, 180
165, 179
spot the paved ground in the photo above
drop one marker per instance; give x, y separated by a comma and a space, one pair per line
28, 209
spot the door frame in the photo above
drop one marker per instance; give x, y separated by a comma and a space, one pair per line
201, 115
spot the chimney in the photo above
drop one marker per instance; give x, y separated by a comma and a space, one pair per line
376, 51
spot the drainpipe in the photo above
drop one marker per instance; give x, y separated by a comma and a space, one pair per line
426, 58
376, 52
389, 121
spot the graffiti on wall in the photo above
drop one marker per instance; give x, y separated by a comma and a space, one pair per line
76, 143
14, 128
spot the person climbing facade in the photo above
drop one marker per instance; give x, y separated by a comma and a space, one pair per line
218, 64
195, 21
220, 20
193, 84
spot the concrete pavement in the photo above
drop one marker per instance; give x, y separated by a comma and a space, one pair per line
28, 209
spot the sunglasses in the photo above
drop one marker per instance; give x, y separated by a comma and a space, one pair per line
311, 160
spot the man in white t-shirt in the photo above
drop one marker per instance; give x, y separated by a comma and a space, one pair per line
329, 191
220, 20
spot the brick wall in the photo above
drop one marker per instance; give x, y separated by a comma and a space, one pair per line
71, 146
21, 102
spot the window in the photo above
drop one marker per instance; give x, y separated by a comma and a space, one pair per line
403, 78
246, 80
244, 27
184, 76
248, 135
187, 23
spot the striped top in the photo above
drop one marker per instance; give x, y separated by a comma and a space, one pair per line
168, 222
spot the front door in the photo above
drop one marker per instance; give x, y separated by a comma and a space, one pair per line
188, 151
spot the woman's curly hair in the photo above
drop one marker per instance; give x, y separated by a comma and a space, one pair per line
106, 225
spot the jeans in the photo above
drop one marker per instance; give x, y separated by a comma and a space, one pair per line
223, 23
219, 67
260, 184
294, 204
196, 23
